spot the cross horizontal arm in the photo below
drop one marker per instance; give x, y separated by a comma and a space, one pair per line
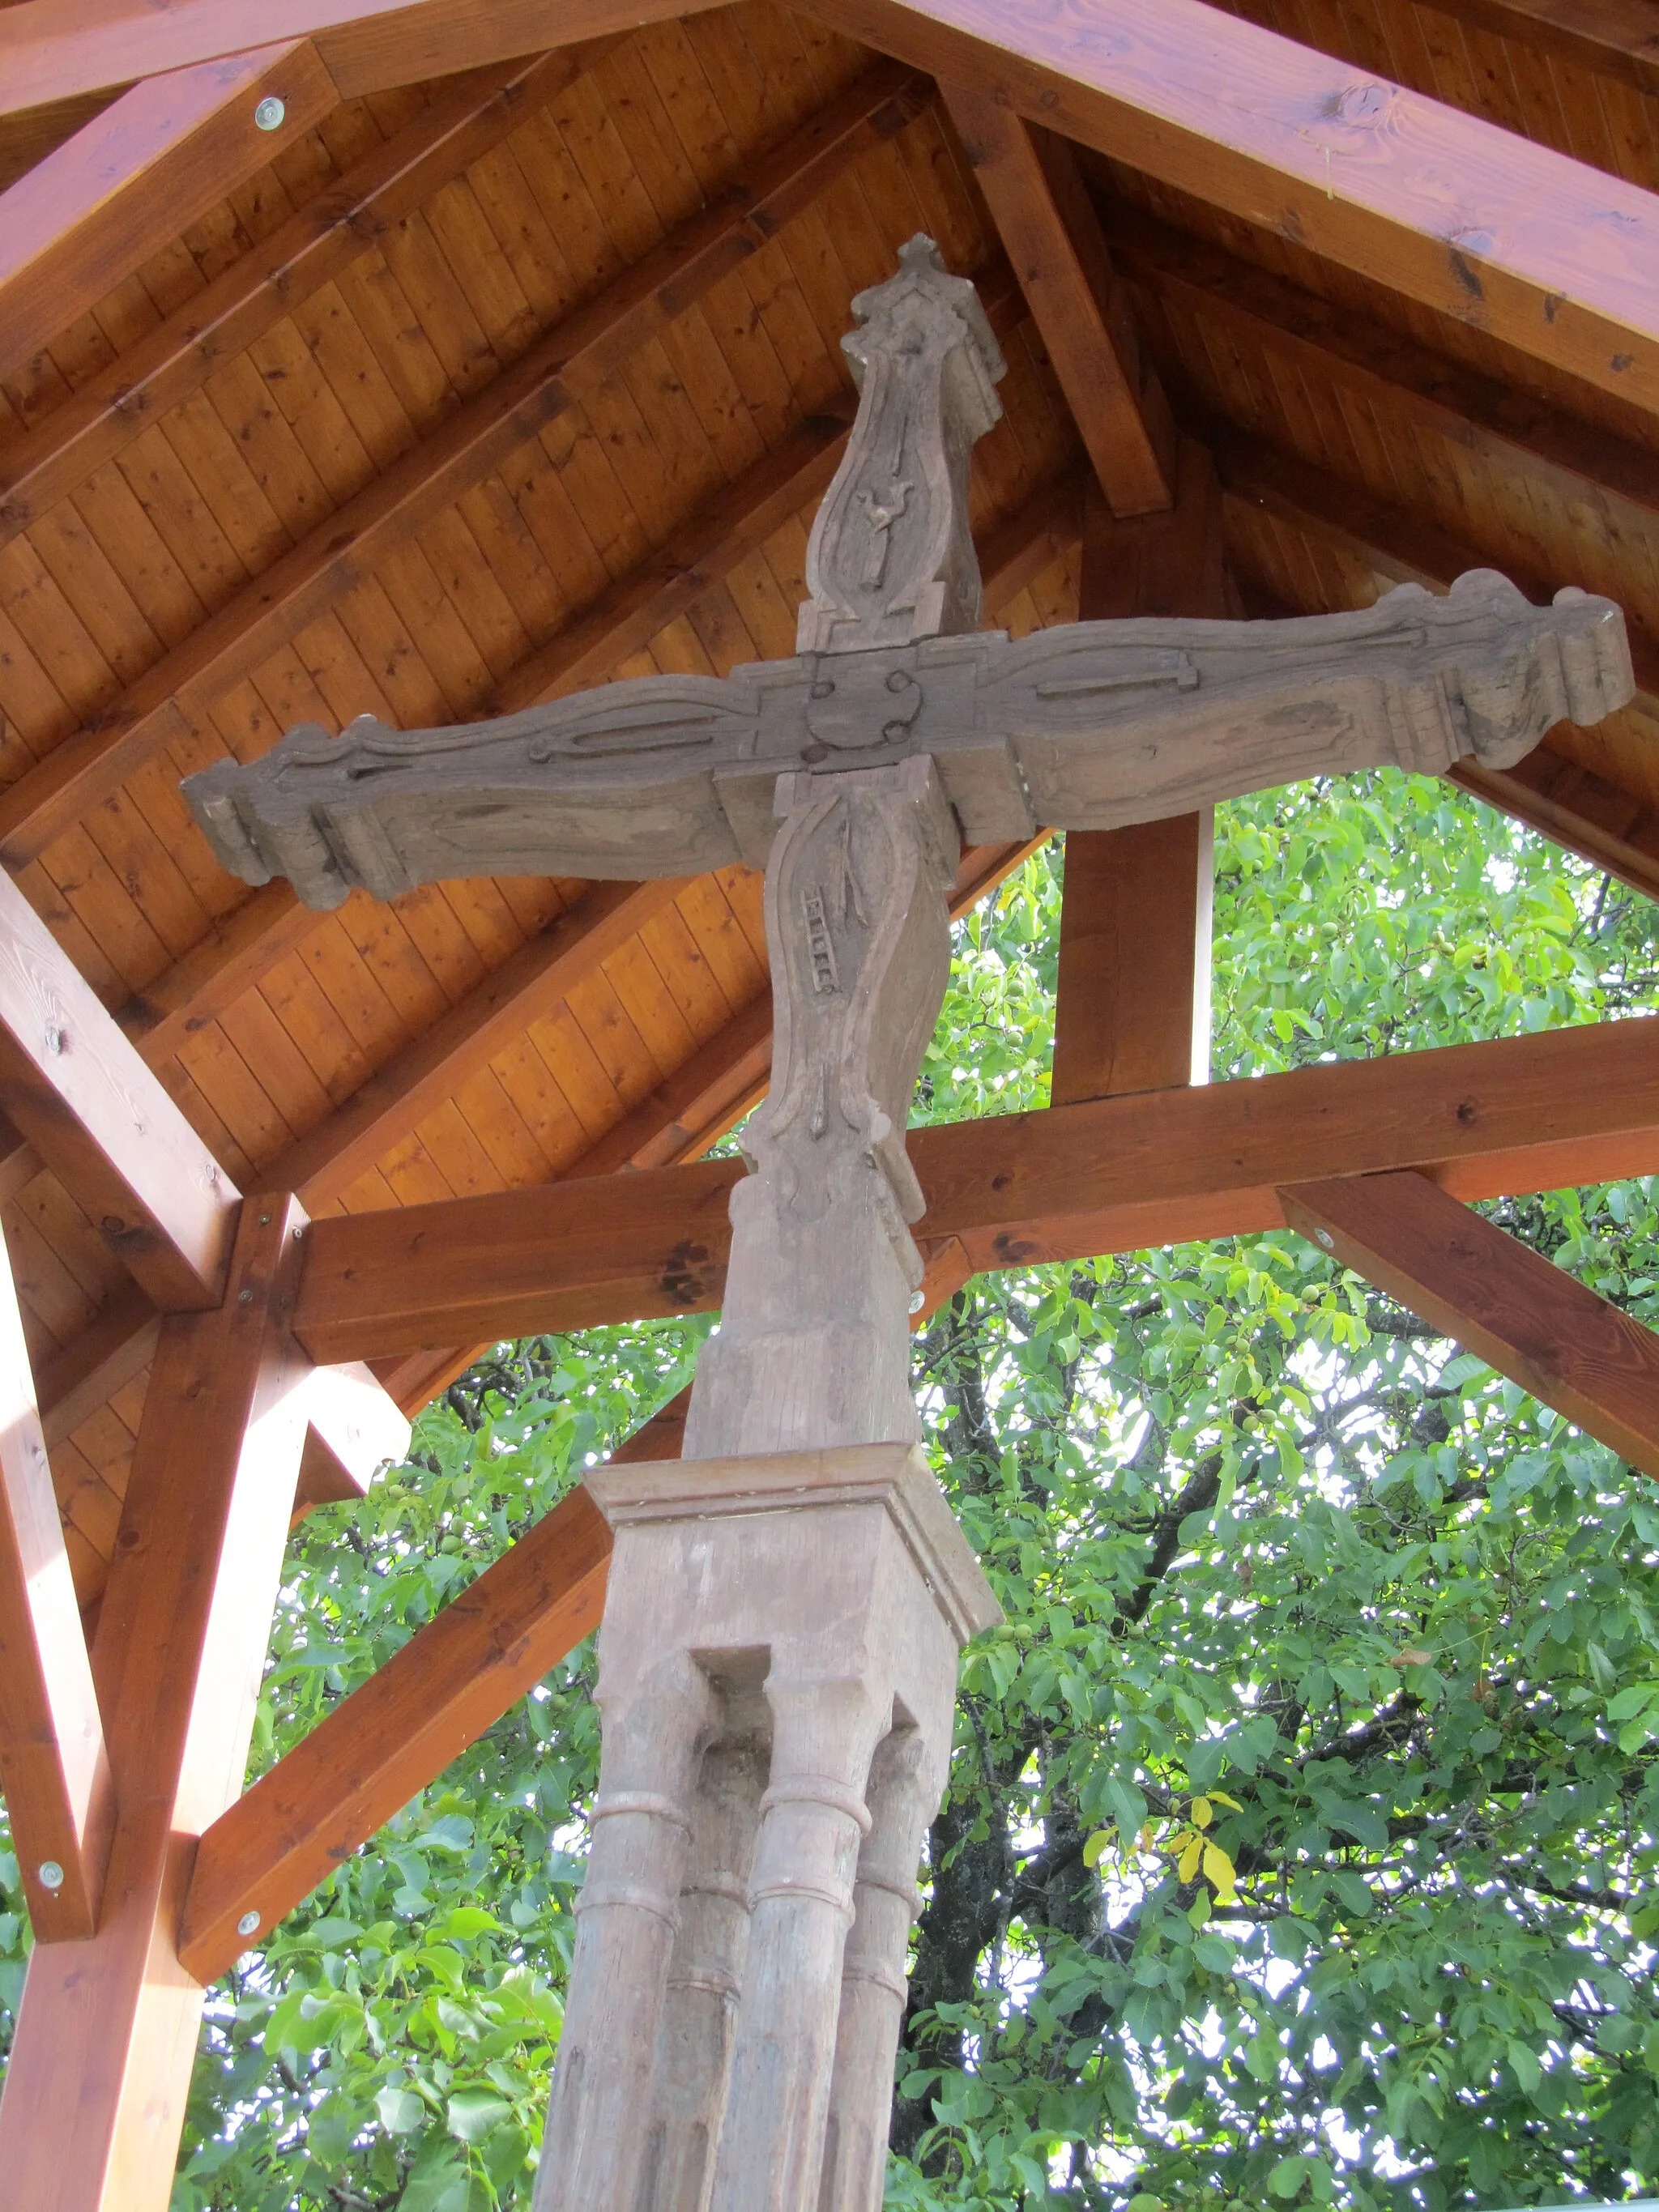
1087, 727
1495, 1296
1520, 1114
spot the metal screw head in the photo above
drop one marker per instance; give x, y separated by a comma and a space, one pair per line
264, 1221
248, 1924
917, 1301
270, 114
1324, 1237
50, 1874
54, 1038
245, 1298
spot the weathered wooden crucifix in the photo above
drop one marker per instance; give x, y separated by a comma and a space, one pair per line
778, 1657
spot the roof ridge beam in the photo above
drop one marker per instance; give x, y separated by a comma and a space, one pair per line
102, 416
553, 374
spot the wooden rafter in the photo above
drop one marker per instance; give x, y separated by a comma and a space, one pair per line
1053, 237
571, 360
74, 1088
1498, 1297
102, 416
1546, 254
1113, 1175
53, 1767
64, 48
127, 182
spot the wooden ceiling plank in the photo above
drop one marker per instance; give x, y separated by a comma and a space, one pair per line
1496, 424
127, 183
570, 361
1526, 1114
258, 290
75, 1089
1054, 240
1561, 260
1613, 38
54, 1766
1508, 1304
417, 1081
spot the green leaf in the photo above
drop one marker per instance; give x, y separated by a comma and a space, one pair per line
473, 2113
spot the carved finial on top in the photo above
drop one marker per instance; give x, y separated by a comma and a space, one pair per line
891, 557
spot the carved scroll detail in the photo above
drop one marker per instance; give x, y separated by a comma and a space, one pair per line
813, 1343
891, 558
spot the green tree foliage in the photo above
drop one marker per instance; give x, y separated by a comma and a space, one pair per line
1300, 1840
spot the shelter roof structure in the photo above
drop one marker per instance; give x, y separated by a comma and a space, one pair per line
434, 361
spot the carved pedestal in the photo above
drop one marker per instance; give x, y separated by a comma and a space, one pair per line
777, 1679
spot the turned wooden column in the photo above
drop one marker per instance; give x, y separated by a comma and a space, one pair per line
656, 1723
906, 1784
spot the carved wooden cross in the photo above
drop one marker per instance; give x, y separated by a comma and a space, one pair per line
853, 773
777, 1662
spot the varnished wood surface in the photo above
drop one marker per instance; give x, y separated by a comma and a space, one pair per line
71, 1083
1495, 1296
1557, 261
397, 1733
1486, 1119
106, 2036
126, 183
53, 1767
1052, 234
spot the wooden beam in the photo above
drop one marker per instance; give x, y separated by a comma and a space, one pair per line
53, 1768
1132, 1011
1522, 1113
396, 1732
571, 360
1048, 223
1545, 254
129, 181
60, 50
103, 416
352, 1429
74, 1087
1495, 1296
106, 2037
